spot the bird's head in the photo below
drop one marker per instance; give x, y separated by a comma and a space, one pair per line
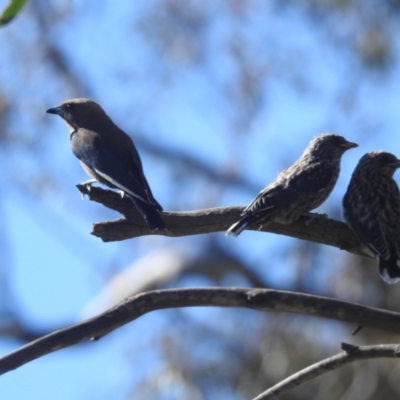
329, 145
379, 161
79, 113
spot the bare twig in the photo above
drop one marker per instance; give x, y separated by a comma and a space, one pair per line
318, 229
257, 299
351, 353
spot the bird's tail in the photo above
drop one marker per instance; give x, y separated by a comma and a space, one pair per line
237, 228
152, 200
390, 269
156, 204
149, 214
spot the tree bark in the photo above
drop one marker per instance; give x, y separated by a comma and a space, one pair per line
318, 228
256, 299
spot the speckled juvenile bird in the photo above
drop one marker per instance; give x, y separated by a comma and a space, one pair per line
108, 155
300, 188
372, 209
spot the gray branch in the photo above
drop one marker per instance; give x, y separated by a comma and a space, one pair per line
318, 229
350, 354
257, 299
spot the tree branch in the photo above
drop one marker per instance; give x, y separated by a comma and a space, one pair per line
318, 229
256, 299
350, 354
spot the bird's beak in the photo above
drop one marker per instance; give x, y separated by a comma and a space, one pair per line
395, 164
349, 145
55, 110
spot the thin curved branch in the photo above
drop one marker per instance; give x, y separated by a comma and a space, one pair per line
350, 354
318, 229
256, 299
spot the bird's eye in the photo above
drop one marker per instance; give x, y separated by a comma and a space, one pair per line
68, 106
387, 159
391, 160
340, 142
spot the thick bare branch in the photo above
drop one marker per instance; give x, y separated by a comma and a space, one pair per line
350, 354
256, 299
318, 229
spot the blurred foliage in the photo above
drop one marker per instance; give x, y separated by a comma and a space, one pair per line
242, 48
11, 11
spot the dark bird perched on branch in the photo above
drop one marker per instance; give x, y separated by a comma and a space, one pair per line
108, 155
372, 209
300, 188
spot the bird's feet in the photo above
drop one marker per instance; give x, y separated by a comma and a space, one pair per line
88, 185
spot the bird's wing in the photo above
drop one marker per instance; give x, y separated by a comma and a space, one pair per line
111, 166
124, 144
370, 233
135, 158
293, 183
271, 197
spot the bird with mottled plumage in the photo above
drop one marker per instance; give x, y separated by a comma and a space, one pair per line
108, 155
372, 210
300, 188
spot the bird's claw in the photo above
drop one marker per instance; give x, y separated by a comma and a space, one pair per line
88, 185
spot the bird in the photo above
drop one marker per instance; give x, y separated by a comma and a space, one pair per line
371, 207
108, 155
300, 188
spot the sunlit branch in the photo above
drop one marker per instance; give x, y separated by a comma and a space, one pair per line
318, 229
